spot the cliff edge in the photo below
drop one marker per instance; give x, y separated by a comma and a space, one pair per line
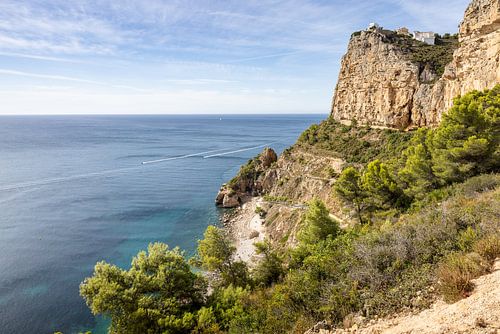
390, 80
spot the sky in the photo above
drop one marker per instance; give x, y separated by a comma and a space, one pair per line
189, 57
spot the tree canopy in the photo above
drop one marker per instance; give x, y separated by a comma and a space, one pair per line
158, 294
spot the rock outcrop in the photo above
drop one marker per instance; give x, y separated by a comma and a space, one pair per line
476, 63
249, 181
376, 83
380, 84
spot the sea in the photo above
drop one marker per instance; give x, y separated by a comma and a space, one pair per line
75, 190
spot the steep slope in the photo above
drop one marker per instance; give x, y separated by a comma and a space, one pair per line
476, 63
479, 313
384, 82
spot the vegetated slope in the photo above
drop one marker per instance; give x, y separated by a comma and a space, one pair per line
423, 221
478, 313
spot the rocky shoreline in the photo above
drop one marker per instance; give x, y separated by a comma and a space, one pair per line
245, 227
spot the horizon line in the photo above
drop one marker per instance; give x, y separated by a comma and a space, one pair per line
174, 114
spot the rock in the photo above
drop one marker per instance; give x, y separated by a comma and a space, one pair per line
268, 157
320, 327
248, 181
379, 85
231, 200
254, 234
220, 196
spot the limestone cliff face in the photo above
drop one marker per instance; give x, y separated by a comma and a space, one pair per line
476, 63
378, 83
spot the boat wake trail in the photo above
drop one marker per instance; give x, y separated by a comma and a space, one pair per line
179, 157
236, 151
42, 182
63, 179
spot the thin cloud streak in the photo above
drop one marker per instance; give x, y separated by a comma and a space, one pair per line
65, 78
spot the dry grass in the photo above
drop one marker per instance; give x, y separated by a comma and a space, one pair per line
456, 272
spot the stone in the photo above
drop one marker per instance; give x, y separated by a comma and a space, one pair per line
231, 200
268, 157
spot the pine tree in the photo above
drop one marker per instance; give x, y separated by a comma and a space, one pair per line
349, 188
317, 223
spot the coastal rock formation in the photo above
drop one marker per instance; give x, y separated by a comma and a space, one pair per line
381, 83
376, 83
476, 63
248, 182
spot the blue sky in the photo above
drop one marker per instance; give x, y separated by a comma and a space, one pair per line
159, 56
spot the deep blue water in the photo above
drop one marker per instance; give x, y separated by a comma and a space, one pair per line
73, 191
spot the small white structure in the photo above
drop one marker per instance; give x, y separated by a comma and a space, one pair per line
426, 37
373, 26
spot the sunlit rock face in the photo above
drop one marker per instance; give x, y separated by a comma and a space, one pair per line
379, 85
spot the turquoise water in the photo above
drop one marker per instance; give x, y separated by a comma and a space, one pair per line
73, 191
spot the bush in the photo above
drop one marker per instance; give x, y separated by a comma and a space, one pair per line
354, 144
260, 211
488, 247
456, 272
466, 239
317, 224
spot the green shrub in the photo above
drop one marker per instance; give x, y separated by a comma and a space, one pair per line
355, 144
466, 239
317, 224
260, 211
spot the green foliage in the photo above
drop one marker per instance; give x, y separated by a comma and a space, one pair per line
352, 143
435, 56
247, 172
159, 293
466, 239
216, 254
440, 230
467, 141
270, 269
465, 144
350, 189
488, 247
317, 224
382, 189
416, 173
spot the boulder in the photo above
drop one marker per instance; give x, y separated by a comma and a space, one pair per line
268, 157
231, 200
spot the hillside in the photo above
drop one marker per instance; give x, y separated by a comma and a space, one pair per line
479, 313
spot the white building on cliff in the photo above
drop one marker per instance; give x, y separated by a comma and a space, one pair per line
426, 37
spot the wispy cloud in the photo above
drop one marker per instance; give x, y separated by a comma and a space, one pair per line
40, 57
65, 78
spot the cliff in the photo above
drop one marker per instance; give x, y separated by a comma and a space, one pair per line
248, 182
387, 80
390, 80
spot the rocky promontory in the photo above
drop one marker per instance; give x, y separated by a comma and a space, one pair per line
391, 80
250, 180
